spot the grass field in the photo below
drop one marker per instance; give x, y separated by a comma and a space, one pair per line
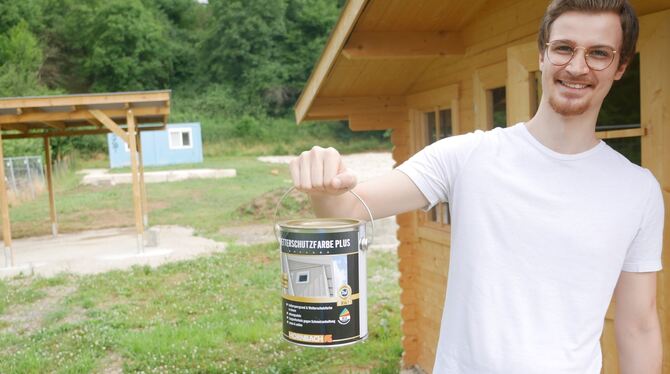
220, 313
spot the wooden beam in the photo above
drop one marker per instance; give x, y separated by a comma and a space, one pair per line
55, 125
23, 128
342, 107
393, 45
80, 115
4, 211
137, 194
143, 187
50, 186
352, 10
94, 122
54, 134
85, 99
628, 133
111, 125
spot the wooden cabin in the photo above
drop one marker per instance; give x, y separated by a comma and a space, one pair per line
434, 68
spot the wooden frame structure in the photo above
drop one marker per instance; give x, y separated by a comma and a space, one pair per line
386, 60
125, 114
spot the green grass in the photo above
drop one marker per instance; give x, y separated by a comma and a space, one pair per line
205, 204
220, 313
215, 314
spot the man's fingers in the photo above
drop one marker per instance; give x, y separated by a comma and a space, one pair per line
316, 164
305, 178
344, 181
331, 165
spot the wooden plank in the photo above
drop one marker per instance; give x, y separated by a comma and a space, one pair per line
80, 115
341, 107
85, 99
441, 235
137, 195
437, 97
50, 187
338, 37
615, 134
55, 124
522, 61
655, 114
4, 211
377, 121
53, 134
111, 125
143, 187
402, 44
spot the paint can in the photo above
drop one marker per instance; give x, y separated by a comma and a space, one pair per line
323, 279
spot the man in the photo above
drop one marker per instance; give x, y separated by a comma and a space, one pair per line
548, 222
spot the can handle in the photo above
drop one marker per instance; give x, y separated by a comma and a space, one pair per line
365, 243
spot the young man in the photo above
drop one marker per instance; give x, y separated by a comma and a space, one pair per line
548, 222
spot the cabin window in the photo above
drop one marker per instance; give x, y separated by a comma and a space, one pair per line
498, 107
180, 138
303, 277
438, 125
621, 111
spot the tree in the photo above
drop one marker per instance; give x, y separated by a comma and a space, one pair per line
129, 49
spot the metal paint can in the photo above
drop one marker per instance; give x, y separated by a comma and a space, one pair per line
323, 280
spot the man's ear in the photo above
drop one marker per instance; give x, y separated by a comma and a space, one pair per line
620, 70
541, 59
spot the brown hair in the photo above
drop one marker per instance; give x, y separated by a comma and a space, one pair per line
629, 22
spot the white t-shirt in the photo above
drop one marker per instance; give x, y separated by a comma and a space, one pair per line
538, 241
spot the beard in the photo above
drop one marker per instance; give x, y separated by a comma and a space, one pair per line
566, 107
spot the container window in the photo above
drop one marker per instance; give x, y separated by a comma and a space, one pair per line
180, 138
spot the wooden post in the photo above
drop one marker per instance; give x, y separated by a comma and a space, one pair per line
52, 199
143, 188
137, 195
4, 209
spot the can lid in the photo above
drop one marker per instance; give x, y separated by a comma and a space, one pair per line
321, 224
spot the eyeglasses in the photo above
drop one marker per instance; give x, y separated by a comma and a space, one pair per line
561, 52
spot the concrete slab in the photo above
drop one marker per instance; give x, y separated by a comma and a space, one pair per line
101, 177
98, 251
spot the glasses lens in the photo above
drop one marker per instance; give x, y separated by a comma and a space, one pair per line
599, 58
560, 53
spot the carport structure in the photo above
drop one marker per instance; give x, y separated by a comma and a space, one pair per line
125, 114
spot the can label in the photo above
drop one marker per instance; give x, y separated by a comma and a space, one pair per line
320, 282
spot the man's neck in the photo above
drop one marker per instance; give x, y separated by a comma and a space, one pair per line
564, 134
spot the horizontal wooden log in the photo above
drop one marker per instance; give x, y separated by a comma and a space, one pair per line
54, 134
82, 115
628, 133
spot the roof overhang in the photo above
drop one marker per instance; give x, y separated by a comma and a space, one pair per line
82, 114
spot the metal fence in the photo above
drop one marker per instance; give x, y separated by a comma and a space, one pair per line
25, 176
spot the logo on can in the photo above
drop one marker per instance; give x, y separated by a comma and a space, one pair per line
345, 317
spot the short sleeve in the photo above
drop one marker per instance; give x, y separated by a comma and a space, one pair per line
644, 253
435, 168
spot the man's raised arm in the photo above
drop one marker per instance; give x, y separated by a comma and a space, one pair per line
320, 173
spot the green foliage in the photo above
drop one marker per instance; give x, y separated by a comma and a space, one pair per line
130, 49
20, 61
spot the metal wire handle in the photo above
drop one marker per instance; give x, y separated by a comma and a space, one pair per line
365, 243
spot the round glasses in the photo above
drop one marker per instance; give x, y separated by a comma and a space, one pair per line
561, 53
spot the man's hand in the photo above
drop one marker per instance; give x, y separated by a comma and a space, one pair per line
321, 171
638, 331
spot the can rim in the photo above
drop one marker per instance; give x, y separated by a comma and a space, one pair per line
320, 224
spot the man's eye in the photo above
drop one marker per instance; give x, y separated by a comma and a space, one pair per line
600, 53
563, 48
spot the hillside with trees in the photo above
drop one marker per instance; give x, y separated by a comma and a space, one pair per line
236, 66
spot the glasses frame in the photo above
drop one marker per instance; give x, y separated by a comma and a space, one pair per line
574, 49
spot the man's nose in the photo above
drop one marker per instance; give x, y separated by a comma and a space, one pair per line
578, 65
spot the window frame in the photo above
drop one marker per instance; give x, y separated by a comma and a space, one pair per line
181, 131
